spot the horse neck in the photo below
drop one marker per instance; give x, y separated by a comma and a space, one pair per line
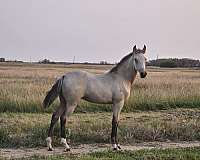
127, 70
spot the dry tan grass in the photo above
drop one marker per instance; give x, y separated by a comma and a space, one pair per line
26, 85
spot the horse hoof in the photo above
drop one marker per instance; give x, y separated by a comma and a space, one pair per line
50, 149
67, 150
115, 149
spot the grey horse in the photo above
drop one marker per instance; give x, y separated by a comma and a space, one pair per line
112, 87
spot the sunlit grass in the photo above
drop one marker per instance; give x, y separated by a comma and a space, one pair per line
23, 88
30, 129
155, 154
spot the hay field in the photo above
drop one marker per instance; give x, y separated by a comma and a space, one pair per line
23, 87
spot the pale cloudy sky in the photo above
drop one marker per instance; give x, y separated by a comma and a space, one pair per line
94, 30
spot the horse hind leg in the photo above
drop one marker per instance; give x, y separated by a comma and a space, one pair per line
63, 119
54, 119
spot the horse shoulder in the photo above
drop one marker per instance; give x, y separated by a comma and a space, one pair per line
117, 91
123, 89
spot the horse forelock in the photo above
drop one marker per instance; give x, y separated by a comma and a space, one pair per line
124, 59
139, 51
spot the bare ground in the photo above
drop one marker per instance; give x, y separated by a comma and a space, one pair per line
89, 148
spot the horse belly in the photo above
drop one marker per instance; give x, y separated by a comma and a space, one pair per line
98, 94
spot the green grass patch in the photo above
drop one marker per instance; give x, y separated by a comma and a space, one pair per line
30, 130
155, 154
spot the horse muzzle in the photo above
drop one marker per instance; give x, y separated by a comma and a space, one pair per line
143, 74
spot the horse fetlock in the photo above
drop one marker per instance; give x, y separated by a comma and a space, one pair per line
49, 146
119, 146
64, 143
116, 147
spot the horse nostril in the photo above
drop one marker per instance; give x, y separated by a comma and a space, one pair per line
143, 74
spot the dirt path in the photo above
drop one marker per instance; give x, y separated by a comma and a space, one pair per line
88, 148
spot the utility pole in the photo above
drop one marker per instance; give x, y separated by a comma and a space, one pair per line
157, 57
74, 60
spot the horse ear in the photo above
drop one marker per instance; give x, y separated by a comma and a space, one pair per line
144, 49
134, 49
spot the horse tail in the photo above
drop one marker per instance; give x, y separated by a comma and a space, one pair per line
53, 93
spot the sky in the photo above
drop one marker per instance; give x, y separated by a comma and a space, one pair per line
96, 30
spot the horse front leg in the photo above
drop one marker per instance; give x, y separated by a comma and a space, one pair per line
114, 134
115, 121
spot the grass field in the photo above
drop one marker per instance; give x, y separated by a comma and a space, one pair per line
162, 107
29, 129
23, 87
168, 154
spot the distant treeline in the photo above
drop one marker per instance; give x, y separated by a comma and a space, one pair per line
170, 62
174, 62
4, 60
47, 61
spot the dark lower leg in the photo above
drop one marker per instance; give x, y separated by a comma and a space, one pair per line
63, 135
114, 130
54, 119
116, 141
62, 124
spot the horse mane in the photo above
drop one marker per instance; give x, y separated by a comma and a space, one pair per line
116, 67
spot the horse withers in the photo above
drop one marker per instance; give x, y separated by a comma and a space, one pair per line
112, 87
